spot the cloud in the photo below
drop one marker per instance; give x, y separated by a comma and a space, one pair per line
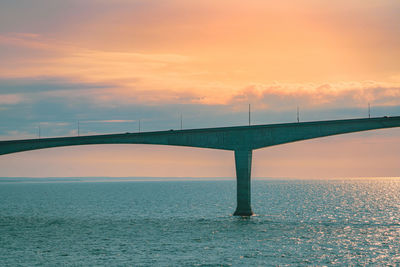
340, 95
16, 134
112, 78
10, 99
107, 121
51, 123
29, 40
60, 65
33, 85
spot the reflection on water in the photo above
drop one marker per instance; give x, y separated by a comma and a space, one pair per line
189, 223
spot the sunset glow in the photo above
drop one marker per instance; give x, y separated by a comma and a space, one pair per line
114, 62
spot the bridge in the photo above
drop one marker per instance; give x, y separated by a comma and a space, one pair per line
240, 139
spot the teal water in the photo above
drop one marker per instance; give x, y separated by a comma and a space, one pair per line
189, 223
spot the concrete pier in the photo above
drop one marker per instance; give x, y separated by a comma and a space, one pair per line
243, 182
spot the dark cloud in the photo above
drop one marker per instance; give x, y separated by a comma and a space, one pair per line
59, 117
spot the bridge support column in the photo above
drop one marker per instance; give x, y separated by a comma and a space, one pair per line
243, 179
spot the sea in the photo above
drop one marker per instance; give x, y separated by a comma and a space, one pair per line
189, 222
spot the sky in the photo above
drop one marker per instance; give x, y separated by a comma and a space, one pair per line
109, 64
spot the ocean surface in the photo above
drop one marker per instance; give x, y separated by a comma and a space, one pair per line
78, 222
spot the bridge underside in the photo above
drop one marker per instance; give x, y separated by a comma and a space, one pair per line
242, 139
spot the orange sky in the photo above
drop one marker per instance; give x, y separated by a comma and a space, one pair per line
317, 54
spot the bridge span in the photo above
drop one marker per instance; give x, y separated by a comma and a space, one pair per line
241, 139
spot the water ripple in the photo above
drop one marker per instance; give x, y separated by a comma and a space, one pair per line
190, 223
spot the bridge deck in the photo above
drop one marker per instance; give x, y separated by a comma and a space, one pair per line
227, 138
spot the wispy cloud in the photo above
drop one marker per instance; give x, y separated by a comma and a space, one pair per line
52, 123
10, 99
114, 77
40, 84
107, 121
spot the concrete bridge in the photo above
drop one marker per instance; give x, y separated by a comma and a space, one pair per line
241, 139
